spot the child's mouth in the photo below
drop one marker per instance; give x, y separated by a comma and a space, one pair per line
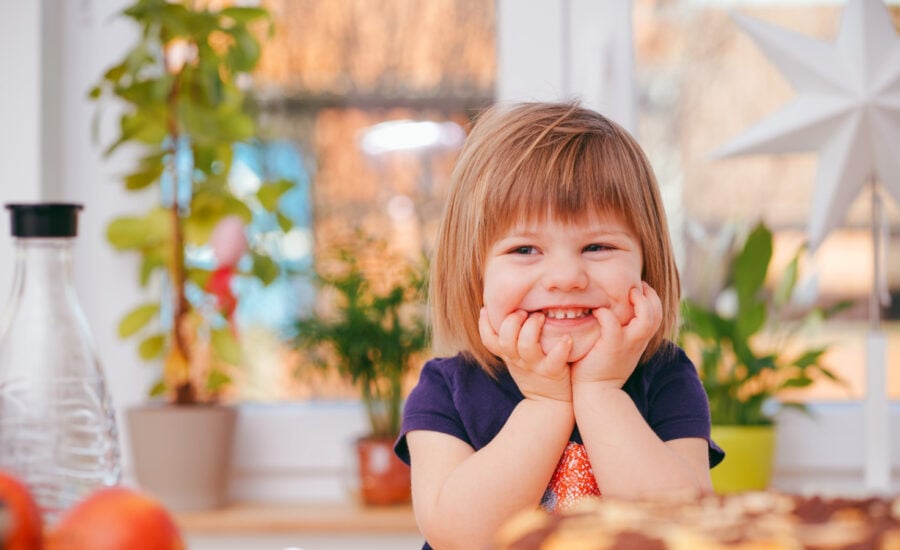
567, 313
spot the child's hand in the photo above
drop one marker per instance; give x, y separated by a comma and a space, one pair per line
617, 351
517, 342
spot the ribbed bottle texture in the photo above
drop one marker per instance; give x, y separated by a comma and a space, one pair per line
57, 425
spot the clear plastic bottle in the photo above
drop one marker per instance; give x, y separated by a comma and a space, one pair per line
57, 425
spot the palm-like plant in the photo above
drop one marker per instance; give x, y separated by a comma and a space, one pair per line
373, 331
748, 355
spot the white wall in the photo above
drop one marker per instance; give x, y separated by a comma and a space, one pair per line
823, 452
54, 51
20, 100
565, 49
20, 117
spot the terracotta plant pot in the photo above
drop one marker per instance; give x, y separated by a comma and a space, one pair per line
749, 454
383, 478
182, 454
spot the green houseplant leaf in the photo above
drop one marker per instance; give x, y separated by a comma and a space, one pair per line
137, 318
745, 357
182, 108
373, 330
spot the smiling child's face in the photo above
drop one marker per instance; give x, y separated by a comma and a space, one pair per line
565, 271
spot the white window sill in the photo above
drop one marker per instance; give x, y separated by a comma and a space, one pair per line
303, 454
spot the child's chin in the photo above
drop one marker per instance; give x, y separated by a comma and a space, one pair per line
579, 350
577, 354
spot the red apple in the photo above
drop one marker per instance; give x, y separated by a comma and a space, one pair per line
25, 526
116, 518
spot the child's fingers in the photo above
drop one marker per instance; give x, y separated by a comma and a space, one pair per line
647, 310
528, 344
508, 335
559, 353
488, 335
610, 328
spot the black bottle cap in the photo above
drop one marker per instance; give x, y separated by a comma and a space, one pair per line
46, 219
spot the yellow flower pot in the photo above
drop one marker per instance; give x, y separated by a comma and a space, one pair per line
749, 454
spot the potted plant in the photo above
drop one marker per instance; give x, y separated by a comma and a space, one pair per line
748, 346
183, 109
370, 330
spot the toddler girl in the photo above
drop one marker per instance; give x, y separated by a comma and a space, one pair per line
554, 296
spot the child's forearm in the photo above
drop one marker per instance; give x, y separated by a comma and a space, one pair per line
629, 460
504, 477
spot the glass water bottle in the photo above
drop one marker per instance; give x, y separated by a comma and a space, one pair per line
57, 425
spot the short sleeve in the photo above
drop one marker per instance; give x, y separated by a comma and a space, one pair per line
430, 407
678, 404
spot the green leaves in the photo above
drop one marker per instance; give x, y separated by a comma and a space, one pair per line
786, 283
217, 381
245, 53
226, 347
182, 109
152, 347
264, 268
270, 193
244, 14
748, 355
130, 232
209, 124
208, 208
149, 171
137, 318
373, 331
751, 264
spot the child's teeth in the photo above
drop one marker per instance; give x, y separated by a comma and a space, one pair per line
567, 313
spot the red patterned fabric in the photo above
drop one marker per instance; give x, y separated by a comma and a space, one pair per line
572, 480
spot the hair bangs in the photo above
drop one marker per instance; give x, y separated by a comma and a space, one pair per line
560, 179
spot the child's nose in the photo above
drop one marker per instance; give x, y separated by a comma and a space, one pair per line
565, 275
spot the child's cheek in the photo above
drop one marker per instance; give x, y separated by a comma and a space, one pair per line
500, 303
495, 319
495, 315
623, 308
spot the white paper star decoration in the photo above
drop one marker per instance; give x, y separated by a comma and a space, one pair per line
848, 108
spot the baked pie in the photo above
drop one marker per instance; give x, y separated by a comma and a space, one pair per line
746, 521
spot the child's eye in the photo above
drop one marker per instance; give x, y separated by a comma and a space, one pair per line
597, 247
523, 250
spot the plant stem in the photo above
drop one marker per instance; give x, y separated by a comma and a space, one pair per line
370, 402
393, 405
185, 393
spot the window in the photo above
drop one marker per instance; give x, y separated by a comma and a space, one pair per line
374, 98
702, 81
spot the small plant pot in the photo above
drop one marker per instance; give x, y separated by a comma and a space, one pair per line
749, 454
383, 478
182, 453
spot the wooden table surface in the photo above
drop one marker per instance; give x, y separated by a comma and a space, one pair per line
270, 518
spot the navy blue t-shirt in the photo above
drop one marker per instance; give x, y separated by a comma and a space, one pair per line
457, 397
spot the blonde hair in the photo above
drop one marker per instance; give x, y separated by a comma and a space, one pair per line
525, 163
